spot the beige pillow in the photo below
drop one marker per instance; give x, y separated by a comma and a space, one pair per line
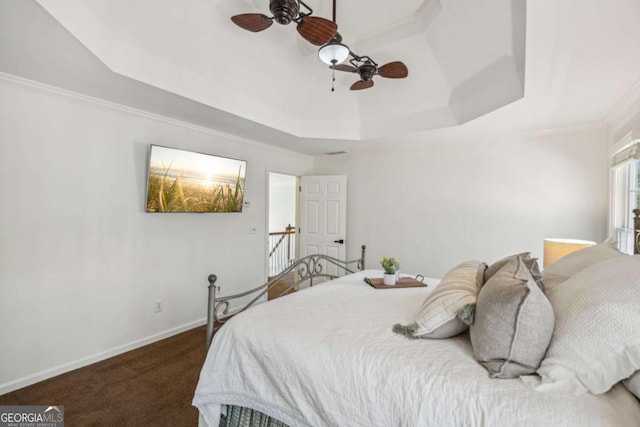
513, 322
437, 317
596, 342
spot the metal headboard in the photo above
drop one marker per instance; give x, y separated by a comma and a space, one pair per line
308, 268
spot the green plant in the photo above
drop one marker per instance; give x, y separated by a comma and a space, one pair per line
390, 265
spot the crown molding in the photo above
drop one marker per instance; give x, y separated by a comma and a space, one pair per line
624, 109
21, 81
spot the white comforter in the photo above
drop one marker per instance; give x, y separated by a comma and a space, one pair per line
326, 356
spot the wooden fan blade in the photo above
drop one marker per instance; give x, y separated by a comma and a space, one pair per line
362, 84
317, 31
344, 67
253, 22
394, 70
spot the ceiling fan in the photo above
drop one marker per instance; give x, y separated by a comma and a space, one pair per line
335, 52
367, 68
315, 30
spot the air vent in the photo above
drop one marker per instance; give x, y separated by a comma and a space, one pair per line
334, 153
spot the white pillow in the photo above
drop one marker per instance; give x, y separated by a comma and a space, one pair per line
596, 339
437, 318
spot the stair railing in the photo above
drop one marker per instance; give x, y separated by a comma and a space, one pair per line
281, 249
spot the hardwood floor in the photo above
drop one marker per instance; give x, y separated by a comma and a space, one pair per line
286, 281
150, 386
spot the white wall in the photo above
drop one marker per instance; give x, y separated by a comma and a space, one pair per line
81, 263
450, 201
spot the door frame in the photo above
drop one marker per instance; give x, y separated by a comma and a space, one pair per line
266, 213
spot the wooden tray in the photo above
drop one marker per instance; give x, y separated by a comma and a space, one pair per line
403, 282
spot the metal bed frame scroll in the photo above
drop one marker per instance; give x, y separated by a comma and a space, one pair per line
308, 268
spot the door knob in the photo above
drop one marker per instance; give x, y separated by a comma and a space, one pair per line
341, 241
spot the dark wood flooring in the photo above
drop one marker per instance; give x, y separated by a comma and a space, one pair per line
150, 386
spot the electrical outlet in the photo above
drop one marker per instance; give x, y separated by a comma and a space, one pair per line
158, 306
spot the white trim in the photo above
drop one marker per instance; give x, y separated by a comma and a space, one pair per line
79, 363
257, 144
626, 141
630, 154
623, 109
141, 113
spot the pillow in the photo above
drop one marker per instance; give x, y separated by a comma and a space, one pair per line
513, 322
493, 268
577, 261
437, 317
530, 263
633, 384
596, 341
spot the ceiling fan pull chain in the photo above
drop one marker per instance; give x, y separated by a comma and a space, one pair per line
333, 79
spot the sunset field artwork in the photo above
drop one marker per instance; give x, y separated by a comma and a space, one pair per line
186, 181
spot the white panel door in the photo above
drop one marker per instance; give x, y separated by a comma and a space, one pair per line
323, 217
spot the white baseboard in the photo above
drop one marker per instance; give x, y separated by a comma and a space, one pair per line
61, 369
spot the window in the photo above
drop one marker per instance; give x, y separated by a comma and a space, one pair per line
625, 190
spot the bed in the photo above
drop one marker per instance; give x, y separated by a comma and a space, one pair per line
327, 356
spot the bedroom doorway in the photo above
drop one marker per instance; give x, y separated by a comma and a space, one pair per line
282, 214
323, 217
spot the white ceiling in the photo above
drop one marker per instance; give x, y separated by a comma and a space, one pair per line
467, 60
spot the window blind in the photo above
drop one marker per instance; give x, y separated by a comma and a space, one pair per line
625, 156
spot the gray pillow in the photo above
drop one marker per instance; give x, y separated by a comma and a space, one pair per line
530, 263
513, 322
493, 268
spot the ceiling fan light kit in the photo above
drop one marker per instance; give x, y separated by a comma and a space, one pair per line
333, 53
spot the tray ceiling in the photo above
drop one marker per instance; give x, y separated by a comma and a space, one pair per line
187, 61
465, 59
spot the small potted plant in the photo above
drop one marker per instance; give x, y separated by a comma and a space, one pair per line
391, 267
